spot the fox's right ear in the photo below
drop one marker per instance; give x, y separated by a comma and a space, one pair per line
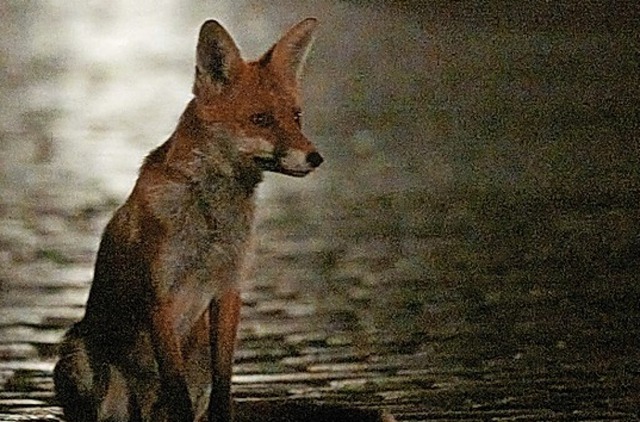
217, 58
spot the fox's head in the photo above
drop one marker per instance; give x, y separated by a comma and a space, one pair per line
257, 103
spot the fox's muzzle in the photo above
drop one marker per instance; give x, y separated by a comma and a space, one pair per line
292, 163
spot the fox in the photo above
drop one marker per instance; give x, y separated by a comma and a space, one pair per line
157, 339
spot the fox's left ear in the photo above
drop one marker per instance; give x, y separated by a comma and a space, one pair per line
288, 55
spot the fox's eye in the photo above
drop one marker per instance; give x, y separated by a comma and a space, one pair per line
262, 119
297, 116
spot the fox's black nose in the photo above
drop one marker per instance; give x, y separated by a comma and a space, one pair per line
314, 159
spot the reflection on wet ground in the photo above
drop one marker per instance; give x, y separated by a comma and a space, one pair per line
487, 303
373, 287
449, 306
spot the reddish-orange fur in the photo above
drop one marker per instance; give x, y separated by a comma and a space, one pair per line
157, 339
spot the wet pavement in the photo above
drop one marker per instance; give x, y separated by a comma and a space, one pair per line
460, 279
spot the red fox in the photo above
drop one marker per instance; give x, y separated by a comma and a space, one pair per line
157, 339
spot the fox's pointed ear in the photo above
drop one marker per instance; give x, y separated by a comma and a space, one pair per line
288, 55
217, 57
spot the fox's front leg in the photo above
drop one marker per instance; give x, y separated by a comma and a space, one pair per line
174, 402
224, 313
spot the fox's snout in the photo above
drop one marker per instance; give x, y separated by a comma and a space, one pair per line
298, 163
293, 162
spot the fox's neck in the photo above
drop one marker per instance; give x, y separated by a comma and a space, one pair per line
207, 156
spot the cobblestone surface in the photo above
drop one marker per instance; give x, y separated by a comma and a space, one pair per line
360, 309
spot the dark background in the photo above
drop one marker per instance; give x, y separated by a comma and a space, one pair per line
469, 250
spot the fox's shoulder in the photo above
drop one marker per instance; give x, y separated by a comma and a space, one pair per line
158, 198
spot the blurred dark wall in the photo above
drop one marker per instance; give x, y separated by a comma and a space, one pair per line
535, 96
565, 15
